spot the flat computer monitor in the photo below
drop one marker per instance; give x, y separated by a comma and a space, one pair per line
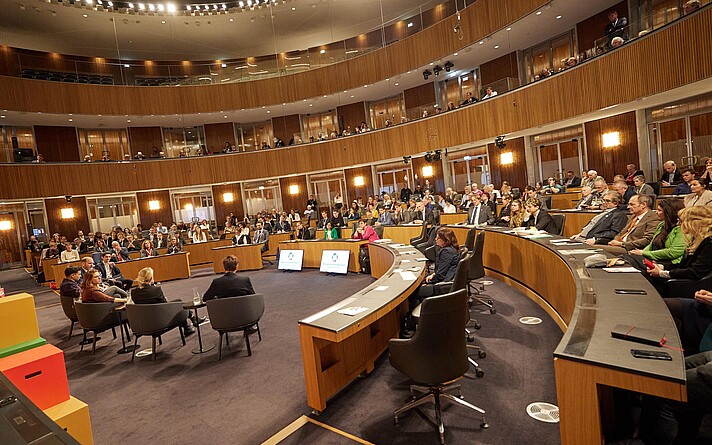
335, 261
290, 259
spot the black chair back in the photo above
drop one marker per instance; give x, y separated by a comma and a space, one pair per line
477, 269
234, 313
470, 241
147, 319
95, 316
437, 353
422, 237
462, 272
560, 221
379, 231
312, 232
68, 307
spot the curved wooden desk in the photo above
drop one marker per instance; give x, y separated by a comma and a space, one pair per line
588, 362
575, 220
337, 348
313, 248
249, 256
397, 234
201, 253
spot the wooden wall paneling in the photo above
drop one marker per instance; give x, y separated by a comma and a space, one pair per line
478, 20
12, 250
666, 54
499, 68
351, 115
611, 161
285, 127
222, 208
8, 62
57, 144
298, 200
164, 214
67, 227
419, 96
437, 180
516, 173
143, 139
591, 29
354, 191
217, 134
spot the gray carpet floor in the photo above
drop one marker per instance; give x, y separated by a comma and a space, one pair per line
184, 397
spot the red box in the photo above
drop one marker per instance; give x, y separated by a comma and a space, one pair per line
40, 374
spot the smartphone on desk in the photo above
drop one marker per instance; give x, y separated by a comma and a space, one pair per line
631, 292
653, 355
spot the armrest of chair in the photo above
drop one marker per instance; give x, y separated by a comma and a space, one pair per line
683, 288
442, 288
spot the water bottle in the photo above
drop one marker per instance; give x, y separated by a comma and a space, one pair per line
196, 296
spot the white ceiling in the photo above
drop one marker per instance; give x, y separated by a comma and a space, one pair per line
525, 33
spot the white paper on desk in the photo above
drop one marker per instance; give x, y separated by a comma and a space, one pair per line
397, 270
329, 310
411, 252
421, 259
414, 269
405, 261
572, 243
353, 310
579, 251
408, 276
382, 240
629, 269
381, 288
398, 245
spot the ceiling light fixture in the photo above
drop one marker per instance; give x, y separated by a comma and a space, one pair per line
558, 17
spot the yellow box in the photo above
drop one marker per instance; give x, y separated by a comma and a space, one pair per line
73, 416
19, 320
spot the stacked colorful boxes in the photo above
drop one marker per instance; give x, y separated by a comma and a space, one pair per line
37, 368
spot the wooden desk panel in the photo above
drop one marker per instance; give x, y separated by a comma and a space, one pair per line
449, 218
333, 359
249, 257
313, 249
274, 240
397, 234
565, 200
165, 267
58, 270
48, 268
201, 253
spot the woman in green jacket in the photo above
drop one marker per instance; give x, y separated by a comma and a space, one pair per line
668, 244
330, 232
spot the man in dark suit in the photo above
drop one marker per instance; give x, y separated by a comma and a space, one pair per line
572, 180
671, 175
604, 227
283, 225
632, 172
337, 219
422, 214
540, 218
625, 191
385, 218
478, 213
261, 236
616, 27
117, 253
160, 242
302, 232
112, 274
230, 284
639, 231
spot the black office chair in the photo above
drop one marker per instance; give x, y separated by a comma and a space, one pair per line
682, 288
265, 249
422, 237
559, 220
312, 232
432, 234
379, 231
436, 356
476, 272
470, 240
236, 314
155, 320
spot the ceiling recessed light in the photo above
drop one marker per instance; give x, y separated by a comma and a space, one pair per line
71, 120
344, 91
163, 22
481, 42
232, 20
225, 117
324, 95
454, 54
311, 105
538, 13
496, 47
352, 95
2, 117
85, 15
509, 29
293, 8
365, 86
323, 51
558, 17
126, 65
267, 111
304, 100
396, 83
128, 120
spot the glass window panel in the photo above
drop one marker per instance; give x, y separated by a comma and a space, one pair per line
549, 159
540, 58
701, 131
561, 50
25, 138
570, 157
674, 140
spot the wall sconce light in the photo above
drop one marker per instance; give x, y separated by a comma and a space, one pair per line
67, 213
5, 225
294, 189
612, 139
506, 158
359, 181
428, 171
188, 207
228, 197
154, 205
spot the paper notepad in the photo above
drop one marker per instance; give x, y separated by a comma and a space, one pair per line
381, 288
421, 259
353, 310
407, 276
579, 251
629, 269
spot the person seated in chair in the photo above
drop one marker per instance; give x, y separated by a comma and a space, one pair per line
111, 274
302, 233
117, 253
148, 293
606, 225
365, 232
640, 229
261, 236
70, 285
230, 284
173, 246
92, 290
385, 218
69, 254
242, 235
539, 218
147, 249
479, 213
283, 225
160, 242
330, 232
446, 258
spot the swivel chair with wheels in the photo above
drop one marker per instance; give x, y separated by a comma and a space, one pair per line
432, 234
559, 220
436, 356
470, 240
420, 238
477, 271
